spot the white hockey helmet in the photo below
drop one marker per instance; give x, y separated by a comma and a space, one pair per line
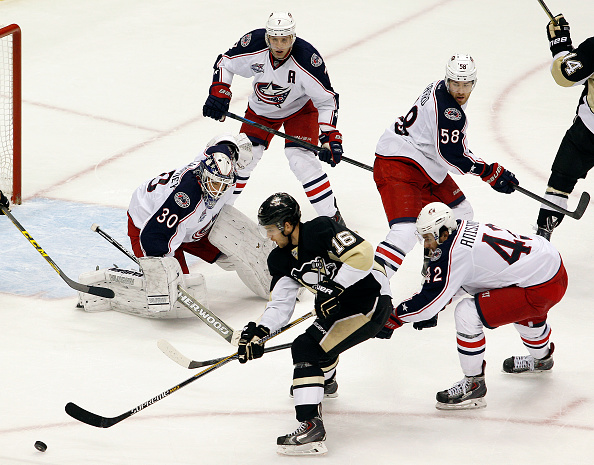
280, 24
435, 216
460, 67
216, 173
240, 145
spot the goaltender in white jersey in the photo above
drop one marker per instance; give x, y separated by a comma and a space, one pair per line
184, 211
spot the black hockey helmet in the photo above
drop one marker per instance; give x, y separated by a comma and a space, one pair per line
277, 209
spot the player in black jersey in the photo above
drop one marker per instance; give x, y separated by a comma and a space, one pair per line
352, 303
575, 156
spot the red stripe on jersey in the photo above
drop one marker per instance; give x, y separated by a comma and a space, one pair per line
389, 254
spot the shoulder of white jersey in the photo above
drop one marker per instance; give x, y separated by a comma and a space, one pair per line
311, 60
249, 43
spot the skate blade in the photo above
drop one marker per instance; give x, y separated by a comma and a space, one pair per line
311, 448
528, 372
466, 405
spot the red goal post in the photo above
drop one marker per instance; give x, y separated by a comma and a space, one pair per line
10, 112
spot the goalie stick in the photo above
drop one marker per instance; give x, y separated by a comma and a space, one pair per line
577, 214
186, 362
84, 416
183, 297
94, 290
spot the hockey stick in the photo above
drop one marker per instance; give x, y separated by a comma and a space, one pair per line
303, 143
548, 12
576, 214
94, 290
211, 320
80, 414
186, 362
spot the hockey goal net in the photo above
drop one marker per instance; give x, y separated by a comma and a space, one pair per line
10, 112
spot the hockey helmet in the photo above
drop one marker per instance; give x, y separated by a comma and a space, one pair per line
435, 216
216, 173
280, 24
239, 145
460, 67
278, 209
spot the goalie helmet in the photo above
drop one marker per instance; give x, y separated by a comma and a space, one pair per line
277, 209
279, 24
433, 217
240, 147
216, 173
460, 67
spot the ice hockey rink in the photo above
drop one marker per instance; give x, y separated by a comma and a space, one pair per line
112, 95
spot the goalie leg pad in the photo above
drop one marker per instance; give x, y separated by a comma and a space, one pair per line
244, 249
131, 291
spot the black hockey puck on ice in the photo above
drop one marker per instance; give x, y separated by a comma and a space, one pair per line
40, 446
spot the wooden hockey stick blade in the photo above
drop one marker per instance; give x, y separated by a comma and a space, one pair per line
94, 290
80, 414
303, 143
209, 318
576, 214
186, 362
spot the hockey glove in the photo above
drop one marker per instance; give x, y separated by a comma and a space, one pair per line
499, 178
559, 39
430, 323
331, 147
4, 202
249, 342
217, 103
388, 329
326, 302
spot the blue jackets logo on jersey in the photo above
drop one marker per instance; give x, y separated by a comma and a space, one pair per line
453, 113
245, 40
182, 199
271, 93
316, 60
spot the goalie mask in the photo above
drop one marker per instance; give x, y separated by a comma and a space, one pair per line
216, 173
433, 217
280, 24
278, 209
240, 147
460, 67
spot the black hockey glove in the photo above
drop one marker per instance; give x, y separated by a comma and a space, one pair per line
388, 329
326, 302
249, 347
559, 39
499, 178
4, 202
430, 323
331, 147
217, 103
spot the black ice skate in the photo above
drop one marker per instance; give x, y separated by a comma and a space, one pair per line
308, 439
529, 364
469, 393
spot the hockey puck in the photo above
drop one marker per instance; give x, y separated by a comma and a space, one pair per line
40, 446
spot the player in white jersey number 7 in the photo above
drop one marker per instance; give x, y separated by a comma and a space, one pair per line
510, 278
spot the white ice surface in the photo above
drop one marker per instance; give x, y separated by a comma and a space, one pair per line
113, 94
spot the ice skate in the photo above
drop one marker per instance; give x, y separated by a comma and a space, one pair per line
528, 364
466, 394
307, 439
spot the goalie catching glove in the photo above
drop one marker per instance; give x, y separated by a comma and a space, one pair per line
499, 178
326, 301
217, 103
249, 346
331, 147
559, 39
